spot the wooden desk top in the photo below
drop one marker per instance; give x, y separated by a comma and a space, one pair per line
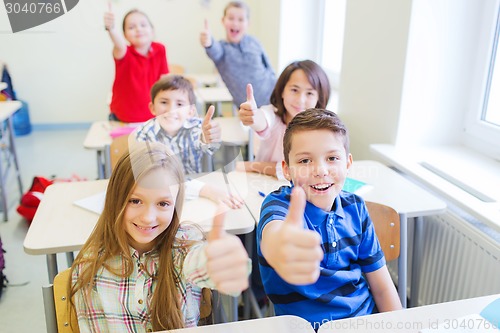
8, 108
276, 324
61, 226
412, 320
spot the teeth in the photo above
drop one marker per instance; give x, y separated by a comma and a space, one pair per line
143, 228
321, 187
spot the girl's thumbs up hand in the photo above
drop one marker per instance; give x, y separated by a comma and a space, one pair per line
293, 251
249, 114
109, 18
227, 259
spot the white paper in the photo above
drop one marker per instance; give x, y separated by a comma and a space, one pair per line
94, 203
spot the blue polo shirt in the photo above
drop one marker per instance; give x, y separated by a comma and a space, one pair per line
351, 248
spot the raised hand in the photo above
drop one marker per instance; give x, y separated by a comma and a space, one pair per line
211, 129
249, 114
294, 252
109, 18
227, 259
205, 36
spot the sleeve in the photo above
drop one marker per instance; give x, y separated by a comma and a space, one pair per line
164, 69
215, 51
270, 116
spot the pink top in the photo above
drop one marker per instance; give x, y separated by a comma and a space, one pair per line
271, 139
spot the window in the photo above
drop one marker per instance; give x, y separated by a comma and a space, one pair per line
491, 107
483, 121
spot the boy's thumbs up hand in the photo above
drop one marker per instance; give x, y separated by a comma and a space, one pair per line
227, 259
211, 129
109, 18
249, 114
205, 36
295, 253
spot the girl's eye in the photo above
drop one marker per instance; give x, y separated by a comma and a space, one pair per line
164, 204
134, 201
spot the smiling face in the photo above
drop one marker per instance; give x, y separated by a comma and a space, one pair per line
235, 22
318, 163
172, 109
138, 30
150, 209
298, 95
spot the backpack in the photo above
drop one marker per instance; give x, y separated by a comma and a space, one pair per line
3, 278
31, 199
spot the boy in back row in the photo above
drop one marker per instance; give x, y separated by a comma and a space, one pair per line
319, 256
240, 59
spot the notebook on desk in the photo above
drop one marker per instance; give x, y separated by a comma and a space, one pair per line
488, 320
356, 186
94, 203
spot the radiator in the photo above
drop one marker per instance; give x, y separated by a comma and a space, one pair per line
458, 261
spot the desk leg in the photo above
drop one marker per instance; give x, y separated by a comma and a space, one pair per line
403, 259
417, 259
100, 165
52, 266
12, 146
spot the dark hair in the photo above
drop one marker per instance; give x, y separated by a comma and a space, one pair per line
317, 78
173, 82
237, 4
133, 11
311, 120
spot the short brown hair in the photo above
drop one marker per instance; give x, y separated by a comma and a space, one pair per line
173, 82
317, 78
311, 120
238, 4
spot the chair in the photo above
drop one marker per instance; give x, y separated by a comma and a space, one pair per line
176, 69
61, 318
386, 222
113, 152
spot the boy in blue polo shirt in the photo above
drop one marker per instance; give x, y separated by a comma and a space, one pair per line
319, 256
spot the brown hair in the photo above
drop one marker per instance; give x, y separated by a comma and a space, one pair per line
317, 78
173, 82
109, 238
311, 120
134, 11
238, 4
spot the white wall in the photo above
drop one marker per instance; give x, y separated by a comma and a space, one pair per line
64, 69
373, 64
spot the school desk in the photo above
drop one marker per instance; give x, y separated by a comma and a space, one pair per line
386, 187
8, 149
277, 324
205, 80
59, 226
98, 137
213, 95
450, 314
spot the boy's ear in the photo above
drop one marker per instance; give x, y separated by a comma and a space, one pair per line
152, 108
192, 110
349, 161
286, 171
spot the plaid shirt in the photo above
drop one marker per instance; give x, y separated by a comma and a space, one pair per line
123, 304
187, 144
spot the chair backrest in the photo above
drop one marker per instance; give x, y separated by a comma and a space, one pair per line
114, 151
386, 222
65, 313
176, 69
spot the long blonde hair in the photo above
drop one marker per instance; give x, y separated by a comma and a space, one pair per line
109, 238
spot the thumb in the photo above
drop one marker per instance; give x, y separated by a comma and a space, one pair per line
250, 97
209, 115
110, 6
296, 209
206, 25
217, 230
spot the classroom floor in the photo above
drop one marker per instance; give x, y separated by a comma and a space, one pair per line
42, 153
